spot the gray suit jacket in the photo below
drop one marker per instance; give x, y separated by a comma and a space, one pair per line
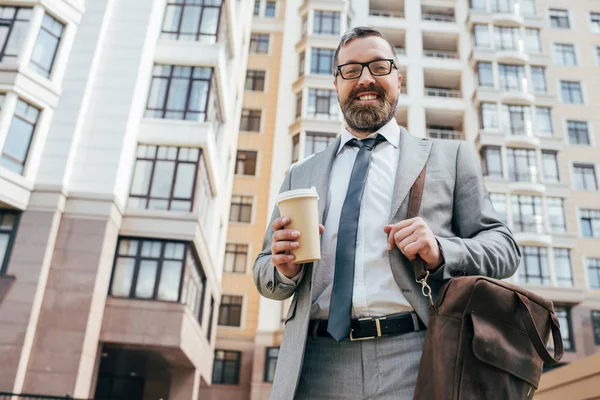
455, 205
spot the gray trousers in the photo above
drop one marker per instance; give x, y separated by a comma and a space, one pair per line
384, 368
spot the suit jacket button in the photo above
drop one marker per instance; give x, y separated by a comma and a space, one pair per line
270, 285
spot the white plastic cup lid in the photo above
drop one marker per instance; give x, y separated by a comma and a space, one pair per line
293, 194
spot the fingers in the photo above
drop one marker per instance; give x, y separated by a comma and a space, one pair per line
321, 229
279, 247
397, 234
282, 259
285, 234
280, 223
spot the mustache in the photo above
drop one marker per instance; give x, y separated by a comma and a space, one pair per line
371, 88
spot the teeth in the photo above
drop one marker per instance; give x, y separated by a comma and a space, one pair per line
368, 97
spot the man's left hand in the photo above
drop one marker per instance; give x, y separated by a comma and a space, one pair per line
414, 237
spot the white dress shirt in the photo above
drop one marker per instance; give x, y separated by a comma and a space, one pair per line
375, 292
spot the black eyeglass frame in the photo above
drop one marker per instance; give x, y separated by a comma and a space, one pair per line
366, 64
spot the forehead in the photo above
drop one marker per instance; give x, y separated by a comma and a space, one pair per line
365, 49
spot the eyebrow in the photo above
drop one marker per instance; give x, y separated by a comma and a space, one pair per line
355, 61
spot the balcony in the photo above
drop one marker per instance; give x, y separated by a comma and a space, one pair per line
526, 181
438, 14
398, 39
386, 8
442, 92
437, 133
532, 230
440, 54
521, 136
440, 51
444, 124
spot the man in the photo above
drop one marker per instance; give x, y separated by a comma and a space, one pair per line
364, 286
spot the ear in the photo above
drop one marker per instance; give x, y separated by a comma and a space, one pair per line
399, 81
335, 85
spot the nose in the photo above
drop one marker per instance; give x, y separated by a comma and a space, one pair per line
365, 78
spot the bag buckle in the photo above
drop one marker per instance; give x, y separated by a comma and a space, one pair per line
377, 326
425, 288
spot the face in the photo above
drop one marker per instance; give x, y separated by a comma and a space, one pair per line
368, 102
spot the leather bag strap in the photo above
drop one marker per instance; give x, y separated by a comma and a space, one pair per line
524, 310
414, 206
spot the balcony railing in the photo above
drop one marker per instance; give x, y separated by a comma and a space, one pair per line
529, 175
431, 16
22, 396
386, 13
440, 54
444, 134
441, 92
530, 224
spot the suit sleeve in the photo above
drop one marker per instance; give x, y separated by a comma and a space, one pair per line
266, 277
483, 245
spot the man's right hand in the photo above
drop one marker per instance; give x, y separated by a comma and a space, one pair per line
285, 240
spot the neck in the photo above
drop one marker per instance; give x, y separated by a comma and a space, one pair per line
364, 133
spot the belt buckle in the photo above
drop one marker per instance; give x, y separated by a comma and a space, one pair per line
377, 325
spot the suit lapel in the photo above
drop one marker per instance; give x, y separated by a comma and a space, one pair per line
320, 175
413, 156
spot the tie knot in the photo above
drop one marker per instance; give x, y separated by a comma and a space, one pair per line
369, 143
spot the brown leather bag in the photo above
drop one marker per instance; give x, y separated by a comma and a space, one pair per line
485, 339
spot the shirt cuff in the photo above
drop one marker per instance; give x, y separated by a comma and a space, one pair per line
289, 281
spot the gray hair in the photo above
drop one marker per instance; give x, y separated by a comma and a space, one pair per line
358, 33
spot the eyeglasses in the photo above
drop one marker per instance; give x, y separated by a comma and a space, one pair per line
354, 70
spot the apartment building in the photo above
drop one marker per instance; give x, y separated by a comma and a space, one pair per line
118, 135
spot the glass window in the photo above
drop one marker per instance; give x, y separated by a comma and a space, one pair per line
538, 79
482, 36
301, 64
9, 221
559, 18
516, 120
241, 209
271, 363
578, 132
528, 8
506, 38
511, 77
556, 214
164, 178
322, 104
230, 311
533, 269
571, 92
564, 319
250, 120
236, 258
19, 137
326, 23
321, 61
550, 166
255, 80
485, 74
179, 92
296, 148
585, 177
259, 43
478, 5
499, 203
527, 214
14, 24
590, 223
46, 46
503, 6
564, 54
317, 141
489, 116
194, 281
598, 56
593, 268
194, 20
533, 43
595, 21
210, 318
521, 165
492, 162
596, 326
245, 163
256, 8
226, 367
299, 104
543, 120
562, 267
270, 9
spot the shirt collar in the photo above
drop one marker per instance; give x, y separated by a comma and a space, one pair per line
389, 131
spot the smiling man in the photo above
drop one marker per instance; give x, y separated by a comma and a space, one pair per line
357, 320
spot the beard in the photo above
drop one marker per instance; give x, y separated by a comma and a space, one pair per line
368, 118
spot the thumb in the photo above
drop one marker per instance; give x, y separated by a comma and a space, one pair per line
321, 229
387, 228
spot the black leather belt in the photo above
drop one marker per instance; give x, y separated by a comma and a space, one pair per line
370, 328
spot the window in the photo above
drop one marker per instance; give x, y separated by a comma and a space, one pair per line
19, 137
550, 166
316, 141
322, 104
492, 162
226, 368
528, 8
296, 148
256, 8
255, 80
564, 54
210, 318
270, 9
543, 120
250, 120
593, 268
152, 269
538, 79
9, 221
564, 319
516, 120
179, 92
527, 213
259, 43
533, 44
590, 223
236, 258
301, 64
556, 214
165, 178
595, 21
511, 77
192, 20
304, 26
506, 38
559, 19
503, 6
478, 5
562, 267
571, 92
533, 269
241, 209
14, 24
485, 74
326, 23
499, 203
46, 46
585, 177
596, 326
271, 363
299, 104
230, 311
482, 36
598, 56
321, 61
489, 116
578, 132
521, 165
245, 163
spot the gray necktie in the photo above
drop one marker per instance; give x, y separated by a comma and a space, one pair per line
340, 308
